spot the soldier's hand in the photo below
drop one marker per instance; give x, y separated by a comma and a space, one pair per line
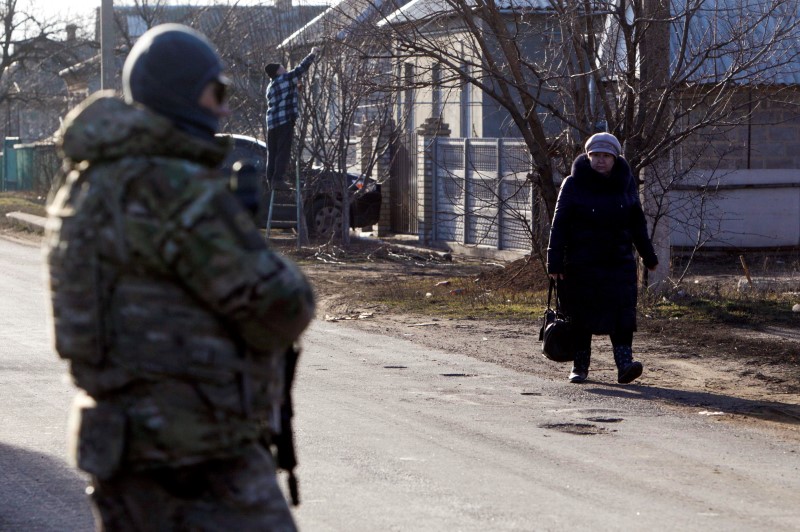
314, 50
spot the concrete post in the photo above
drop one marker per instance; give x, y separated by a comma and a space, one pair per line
426, 166
107, 43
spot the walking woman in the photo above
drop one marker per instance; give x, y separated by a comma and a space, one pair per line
598, 220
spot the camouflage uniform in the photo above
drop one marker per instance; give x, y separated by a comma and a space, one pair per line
175, 317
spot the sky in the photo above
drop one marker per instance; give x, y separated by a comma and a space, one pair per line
87, 7
83, 11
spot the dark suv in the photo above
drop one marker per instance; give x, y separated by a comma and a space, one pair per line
320, 191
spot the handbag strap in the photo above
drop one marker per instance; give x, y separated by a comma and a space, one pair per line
553, 289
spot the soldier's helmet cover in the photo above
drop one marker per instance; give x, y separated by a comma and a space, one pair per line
167, 70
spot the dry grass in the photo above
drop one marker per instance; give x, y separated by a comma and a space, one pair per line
433, 284
456, 297
27, 202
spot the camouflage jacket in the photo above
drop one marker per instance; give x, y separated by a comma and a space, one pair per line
172, 310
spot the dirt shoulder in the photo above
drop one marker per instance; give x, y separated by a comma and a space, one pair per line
735, 374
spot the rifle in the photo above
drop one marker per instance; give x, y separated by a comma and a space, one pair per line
245, 185
284, 442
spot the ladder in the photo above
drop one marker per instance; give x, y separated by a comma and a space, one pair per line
284, 206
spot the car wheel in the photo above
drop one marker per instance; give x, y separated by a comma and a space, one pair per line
325, 218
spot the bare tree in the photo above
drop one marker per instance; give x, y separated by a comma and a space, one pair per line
659, 75
341, 106
345, 102
247, 37
32, 51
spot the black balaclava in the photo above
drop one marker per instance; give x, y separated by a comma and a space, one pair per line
167, 70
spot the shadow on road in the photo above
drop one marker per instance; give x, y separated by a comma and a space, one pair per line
39, 492
713, 403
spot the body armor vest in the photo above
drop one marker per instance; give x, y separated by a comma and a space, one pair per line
143, 346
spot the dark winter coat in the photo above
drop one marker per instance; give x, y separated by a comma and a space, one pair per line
598, 220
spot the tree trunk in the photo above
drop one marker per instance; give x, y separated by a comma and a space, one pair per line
655, 40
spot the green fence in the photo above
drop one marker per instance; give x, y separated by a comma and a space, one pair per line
10, 178
29, 166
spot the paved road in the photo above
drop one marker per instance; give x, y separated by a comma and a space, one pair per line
38, 490
393, 436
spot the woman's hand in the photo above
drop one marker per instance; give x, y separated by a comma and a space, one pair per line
558, 276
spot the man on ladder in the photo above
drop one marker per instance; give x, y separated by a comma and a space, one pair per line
282, 111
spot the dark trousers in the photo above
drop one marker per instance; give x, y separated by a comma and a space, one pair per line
279, 150
583, 339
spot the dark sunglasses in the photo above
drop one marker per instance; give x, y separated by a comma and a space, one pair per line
220, 91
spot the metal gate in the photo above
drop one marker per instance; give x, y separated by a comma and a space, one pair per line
482, 194
404, 198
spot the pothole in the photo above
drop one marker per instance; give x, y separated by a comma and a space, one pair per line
458, 375
395, 367
581, 429
605, 419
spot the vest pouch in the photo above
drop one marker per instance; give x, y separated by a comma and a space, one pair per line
76, 304
96, 437
173, 423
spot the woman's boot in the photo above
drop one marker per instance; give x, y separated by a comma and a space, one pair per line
627, 369
580, 367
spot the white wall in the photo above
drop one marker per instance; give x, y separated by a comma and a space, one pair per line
738, 208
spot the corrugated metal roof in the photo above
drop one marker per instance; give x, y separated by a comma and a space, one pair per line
340, 19
421, 10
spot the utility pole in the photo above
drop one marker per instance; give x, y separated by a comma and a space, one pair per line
107, 41
655, 45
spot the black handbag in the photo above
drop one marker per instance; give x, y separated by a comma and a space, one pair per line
555, 332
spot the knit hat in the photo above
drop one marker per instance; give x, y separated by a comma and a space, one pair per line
272, 70
167, 70
605, 143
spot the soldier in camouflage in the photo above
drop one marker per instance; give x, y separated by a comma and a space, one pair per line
174, 314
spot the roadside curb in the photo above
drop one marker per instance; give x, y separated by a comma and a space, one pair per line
37, 224
30, 221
